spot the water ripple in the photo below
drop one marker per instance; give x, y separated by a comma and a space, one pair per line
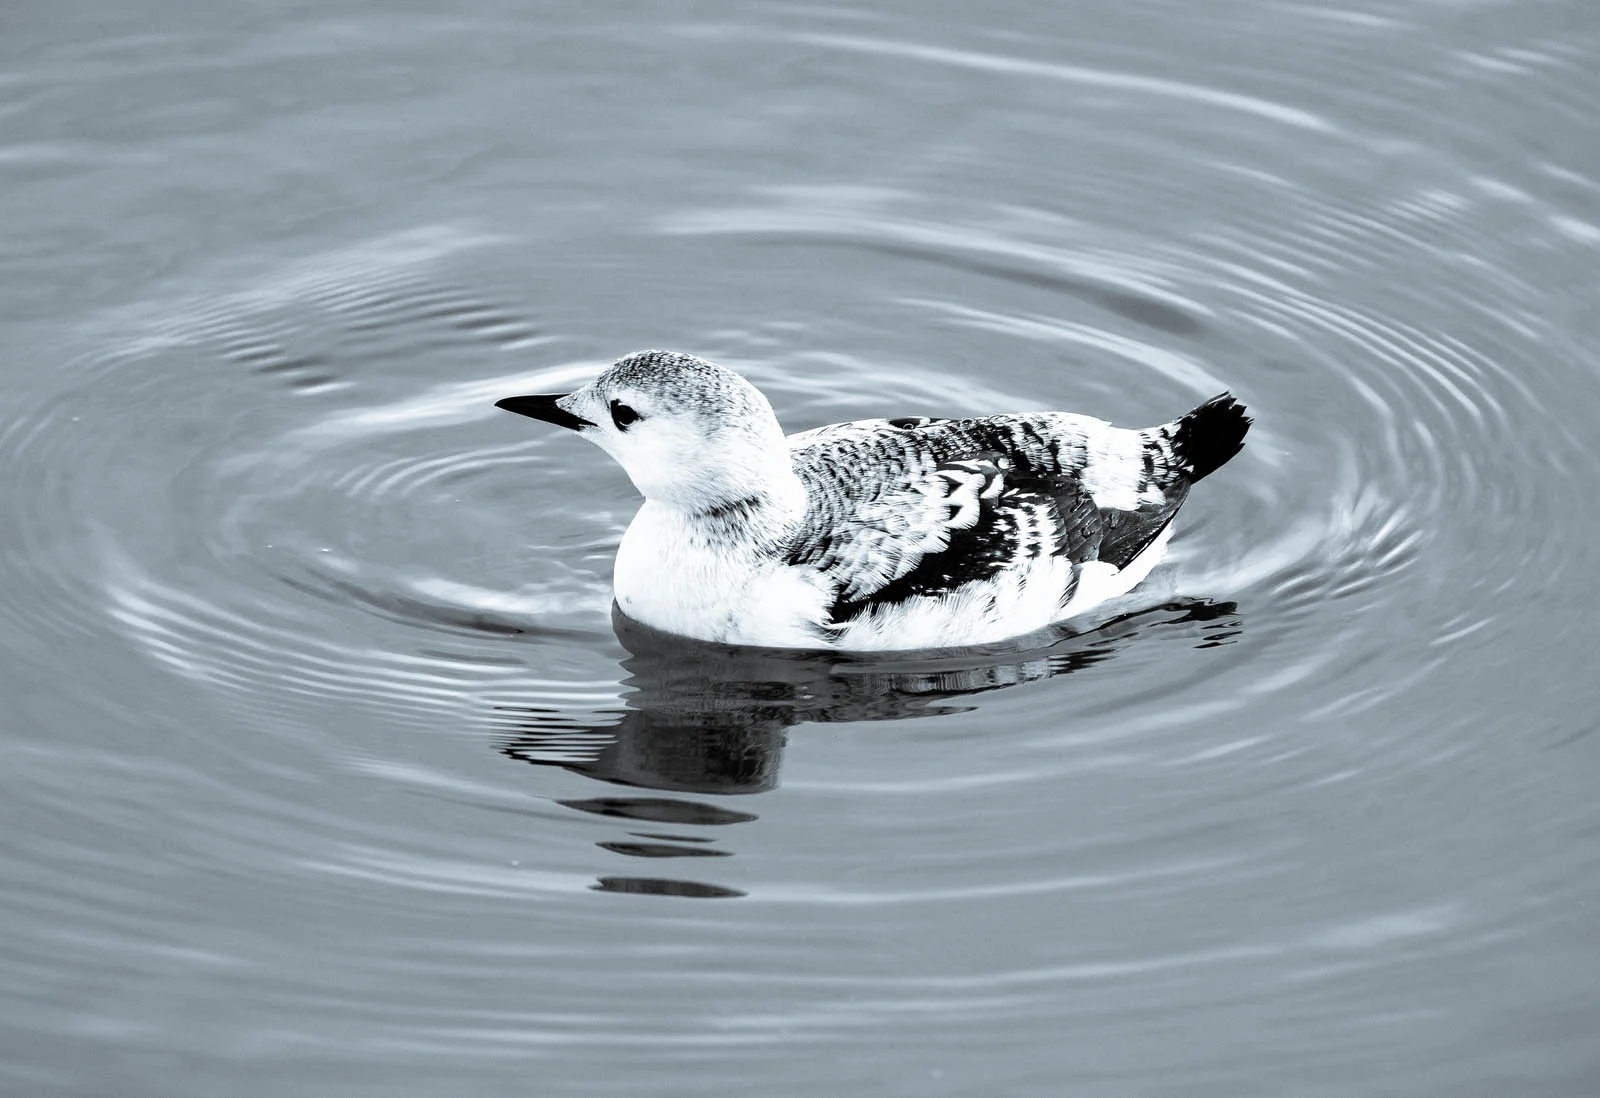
1073, 74
318, 701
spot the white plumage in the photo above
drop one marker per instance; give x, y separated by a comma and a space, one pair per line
880, 534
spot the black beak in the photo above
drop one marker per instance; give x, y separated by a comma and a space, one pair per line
545, 408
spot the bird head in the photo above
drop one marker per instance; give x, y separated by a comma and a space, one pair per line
689, 433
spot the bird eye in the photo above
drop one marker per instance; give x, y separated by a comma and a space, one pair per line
622, 415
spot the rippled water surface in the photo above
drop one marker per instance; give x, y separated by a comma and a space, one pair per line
326, 771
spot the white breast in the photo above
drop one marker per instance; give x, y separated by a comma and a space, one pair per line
667, 576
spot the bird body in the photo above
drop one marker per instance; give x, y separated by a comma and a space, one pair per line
874, 535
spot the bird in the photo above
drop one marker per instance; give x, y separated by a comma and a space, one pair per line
876, 535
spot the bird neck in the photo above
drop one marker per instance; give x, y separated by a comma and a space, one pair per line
767, 510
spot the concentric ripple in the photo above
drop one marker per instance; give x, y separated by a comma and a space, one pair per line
329, 757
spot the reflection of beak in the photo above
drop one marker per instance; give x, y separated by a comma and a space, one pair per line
545, 408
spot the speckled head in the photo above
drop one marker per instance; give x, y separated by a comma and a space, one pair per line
691, 434
681, 384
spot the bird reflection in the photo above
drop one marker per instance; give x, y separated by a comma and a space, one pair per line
710, 719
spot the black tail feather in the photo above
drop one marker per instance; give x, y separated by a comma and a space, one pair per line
1207, 437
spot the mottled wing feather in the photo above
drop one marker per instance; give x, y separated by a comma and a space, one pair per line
1007, 527
913, 507
872, 535
1080, 525
919, 507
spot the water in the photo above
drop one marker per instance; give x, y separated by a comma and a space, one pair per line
287, 609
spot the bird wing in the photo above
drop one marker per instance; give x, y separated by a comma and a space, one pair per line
906, 508
920, 506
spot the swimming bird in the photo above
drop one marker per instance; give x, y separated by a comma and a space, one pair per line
879, 534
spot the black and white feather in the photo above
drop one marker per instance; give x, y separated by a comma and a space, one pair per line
878, 534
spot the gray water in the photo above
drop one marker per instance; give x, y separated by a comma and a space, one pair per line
325, 772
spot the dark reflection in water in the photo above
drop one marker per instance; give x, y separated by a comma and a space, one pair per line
711, 719
657, 886
653, 809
